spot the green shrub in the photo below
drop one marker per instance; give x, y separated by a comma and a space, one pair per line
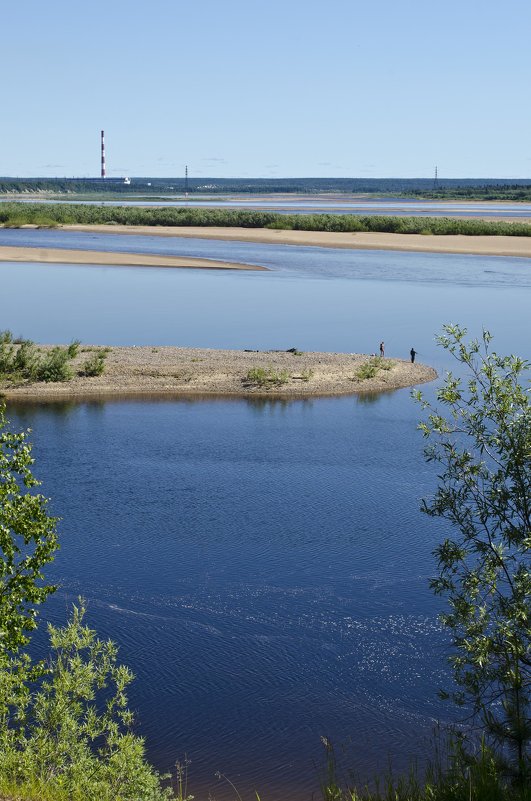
44, 222
7, 355
266, 377
18, 362
73, 348
54, 366
278, 225
367, 370
25, 359
94, 365
49, 728
15, 221
17, 214
372, 367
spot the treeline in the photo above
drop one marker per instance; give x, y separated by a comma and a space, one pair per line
516, 192
51, 214
62, 186
213, 186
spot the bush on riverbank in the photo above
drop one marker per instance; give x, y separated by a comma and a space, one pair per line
371, 368
266, 377
18, 214
21, 360
94, 365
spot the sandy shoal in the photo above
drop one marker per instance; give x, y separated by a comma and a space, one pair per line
479, 245
177, 371
59, 256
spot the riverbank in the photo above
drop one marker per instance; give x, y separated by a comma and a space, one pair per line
200, 371
60, 256
518, 246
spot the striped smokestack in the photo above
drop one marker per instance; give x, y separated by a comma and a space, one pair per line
103, 154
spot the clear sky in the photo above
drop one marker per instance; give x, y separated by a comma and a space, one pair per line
266, 88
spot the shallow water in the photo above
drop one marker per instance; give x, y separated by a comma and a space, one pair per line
392, 207
263, 565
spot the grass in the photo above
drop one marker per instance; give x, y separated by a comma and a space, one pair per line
372, 367
266, 377
455, 775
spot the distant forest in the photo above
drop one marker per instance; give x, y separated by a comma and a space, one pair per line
445, 189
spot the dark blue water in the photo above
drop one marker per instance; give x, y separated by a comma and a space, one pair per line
264, 569
263, 565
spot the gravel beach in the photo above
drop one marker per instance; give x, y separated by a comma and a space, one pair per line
179, 371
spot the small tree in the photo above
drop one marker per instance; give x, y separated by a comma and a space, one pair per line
28, 541
483, 446
70, 735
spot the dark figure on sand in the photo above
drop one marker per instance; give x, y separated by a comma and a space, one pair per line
412, 353
382, 349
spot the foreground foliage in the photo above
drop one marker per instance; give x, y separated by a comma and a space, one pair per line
482, 446
28, 541
70, 734
65, 727
454, 775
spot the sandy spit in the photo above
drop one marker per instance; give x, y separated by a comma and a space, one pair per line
198, 371
59, 256
479, 245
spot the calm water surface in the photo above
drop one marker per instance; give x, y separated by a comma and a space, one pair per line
263, 565
390, 207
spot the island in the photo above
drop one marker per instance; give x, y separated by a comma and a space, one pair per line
167, 370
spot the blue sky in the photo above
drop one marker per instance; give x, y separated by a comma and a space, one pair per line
267, 88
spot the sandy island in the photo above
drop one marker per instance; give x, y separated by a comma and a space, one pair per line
456, 243
516, 246
60, 256
198, 371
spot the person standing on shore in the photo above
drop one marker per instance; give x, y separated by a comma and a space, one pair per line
382, 349
412, 353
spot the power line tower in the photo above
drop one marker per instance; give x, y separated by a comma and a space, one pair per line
436, 178
186, 180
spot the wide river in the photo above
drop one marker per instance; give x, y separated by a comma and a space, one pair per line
263, 565
320, 205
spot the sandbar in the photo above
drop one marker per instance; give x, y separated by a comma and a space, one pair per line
60, 256
176, 371
519, 246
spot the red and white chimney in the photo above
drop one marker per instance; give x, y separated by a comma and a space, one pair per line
103, 154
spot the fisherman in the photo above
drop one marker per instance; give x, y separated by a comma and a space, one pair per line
412, 353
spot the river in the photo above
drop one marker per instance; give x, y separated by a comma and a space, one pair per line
263, 565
